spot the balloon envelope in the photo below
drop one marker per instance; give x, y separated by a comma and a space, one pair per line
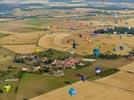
96, 52
72, 92
7, 88
98, 70
83, 78
37, 50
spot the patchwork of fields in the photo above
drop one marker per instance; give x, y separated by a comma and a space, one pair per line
41, 29
118, 86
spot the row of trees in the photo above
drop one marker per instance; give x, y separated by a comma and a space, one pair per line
10, 74
104, 56
118, 30
54, 54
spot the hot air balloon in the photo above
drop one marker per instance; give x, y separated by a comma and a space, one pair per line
98, 70
37, 50
80, 35
7, 88
83, 78
74, 44
72, 91
96, 52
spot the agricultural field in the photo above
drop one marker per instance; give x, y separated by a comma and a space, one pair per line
47, 48
115, 86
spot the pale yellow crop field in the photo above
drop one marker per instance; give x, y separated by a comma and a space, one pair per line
116, 87
22, 49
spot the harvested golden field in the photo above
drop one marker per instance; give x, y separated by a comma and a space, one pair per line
62, 33
116, 87
21, 42
122, 80
88, 91
105, 43
22, 49
21, 38
54, 41
129, 68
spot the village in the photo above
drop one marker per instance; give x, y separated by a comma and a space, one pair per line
52, 63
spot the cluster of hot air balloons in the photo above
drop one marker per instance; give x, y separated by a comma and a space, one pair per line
73, 92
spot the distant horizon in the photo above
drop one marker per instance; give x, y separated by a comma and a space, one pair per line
47, 1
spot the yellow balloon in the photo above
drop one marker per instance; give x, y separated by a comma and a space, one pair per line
7, 88
37, 50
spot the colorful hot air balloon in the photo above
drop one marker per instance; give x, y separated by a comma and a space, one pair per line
37, 50
98, 70
96, 52
7, 88
72, 91
83, 78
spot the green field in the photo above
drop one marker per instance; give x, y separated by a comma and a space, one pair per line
39, 21
32, 85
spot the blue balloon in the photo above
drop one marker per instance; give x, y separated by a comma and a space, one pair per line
83, 78
72, 92
96, 52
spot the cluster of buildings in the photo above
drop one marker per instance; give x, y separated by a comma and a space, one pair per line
39, 62
67, 63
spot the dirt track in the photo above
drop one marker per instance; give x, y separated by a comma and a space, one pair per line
116, 87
